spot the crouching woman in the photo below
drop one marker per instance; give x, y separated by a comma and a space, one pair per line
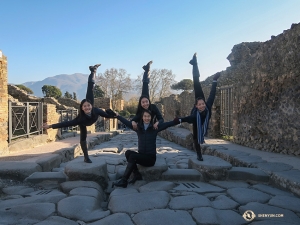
146, 155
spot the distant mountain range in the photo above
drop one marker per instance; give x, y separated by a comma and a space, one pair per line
72, 83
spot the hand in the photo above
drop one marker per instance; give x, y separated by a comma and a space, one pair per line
216, 76
176, 120
155, 126
45, 125
134, 125
111, 113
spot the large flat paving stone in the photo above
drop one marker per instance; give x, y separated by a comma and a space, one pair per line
270, 167
271, 190
27, 213
96, 171
18, 171
83, 208
85, 191
39, 177
258, 208
189, 202
229, 184
208, 215
198, 187
157, 186
286, 202
245, 173
50, 161
212, 168
223, 202
245, 195
17, 190
41, 196
134, 203
182, 175
154, 172
70, 185
289, 180
57, 220
114, 219
163, 217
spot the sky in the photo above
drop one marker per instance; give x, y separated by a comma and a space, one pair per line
46, 38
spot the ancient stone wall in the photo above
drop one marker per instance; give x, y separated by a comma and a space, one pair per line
104, 103
266, 89
3, 105
69, 102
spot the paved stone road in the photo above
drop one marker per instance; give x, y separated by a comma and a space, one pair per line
177, 190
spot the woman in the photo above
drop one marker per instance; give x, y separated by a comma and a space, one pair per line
201, 111
144, 102
87, 115
146, 155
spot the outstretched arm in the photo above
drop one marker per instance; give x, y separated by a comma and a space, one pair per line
165, 125
100, 112
124, 121
70, 123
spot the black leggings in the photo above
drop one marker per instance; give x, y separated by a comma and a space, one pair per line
146, 160
145, 89
89, 96
197, 86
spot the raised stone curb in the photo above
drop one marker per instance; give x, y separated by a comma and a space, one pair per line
20, 172
244, 173
39, 177
212, 168
289, 180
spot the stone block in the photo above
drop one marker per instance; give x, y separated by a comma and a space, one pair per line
154, 172
182, 175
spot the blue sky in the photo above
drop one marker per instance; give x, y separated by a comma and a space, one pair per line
46, 38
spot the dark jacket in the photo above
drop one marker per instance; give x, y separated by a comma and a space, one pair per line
193, 117
147, 138
156, 115
83, 120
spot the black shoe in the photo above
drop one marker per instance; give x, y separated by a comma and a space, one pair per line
136, 176
147, 67
193, 61
199, 156
87, 160
121, 183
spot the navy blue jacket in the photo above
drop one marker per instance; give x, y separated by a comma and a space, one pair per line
147, 138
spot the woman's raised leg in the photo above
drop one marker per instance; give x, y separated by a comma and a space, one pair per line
196, 75
146, 79
91, 83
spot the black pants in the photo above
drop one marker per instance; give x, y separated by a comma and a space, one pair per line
145, 89
89, 96
146, 160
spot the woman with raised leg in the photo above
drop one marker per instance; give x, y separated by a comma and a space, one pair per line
87, 115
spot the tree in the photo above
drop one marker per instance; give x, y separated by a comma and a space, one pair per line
160, 83
114, 82
68, 95
24, 88
51, 91
131, 105
74, 96
185, 85
98, 93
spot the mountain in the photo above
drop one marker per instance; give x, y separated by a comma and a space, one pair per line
72, 83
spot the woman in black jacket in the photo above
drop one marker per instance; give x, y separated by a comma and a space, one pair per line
201, 111
87, 115
144, 102
146, 155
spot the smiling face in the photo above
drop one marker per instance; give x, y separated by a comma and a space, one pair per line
87, 107
145, 103
200, 105
146, 117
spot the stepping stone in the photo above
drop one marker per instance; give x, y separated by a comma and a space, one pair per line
245, 195
39, 177
270, 167
70, 185
208, 215
212, 168
135, 203
259, 209
24, 169
85, 191
162, 217
245, 173
96, 171
182, 175
198, 187
154, 172
117, 218
289, 180
49, 162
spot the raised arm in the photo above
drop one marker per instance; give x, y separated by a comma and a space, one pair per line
212, 94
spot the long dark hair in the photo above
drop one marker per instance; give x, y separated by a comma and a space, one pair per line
140, 109
81, 113
199, 98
